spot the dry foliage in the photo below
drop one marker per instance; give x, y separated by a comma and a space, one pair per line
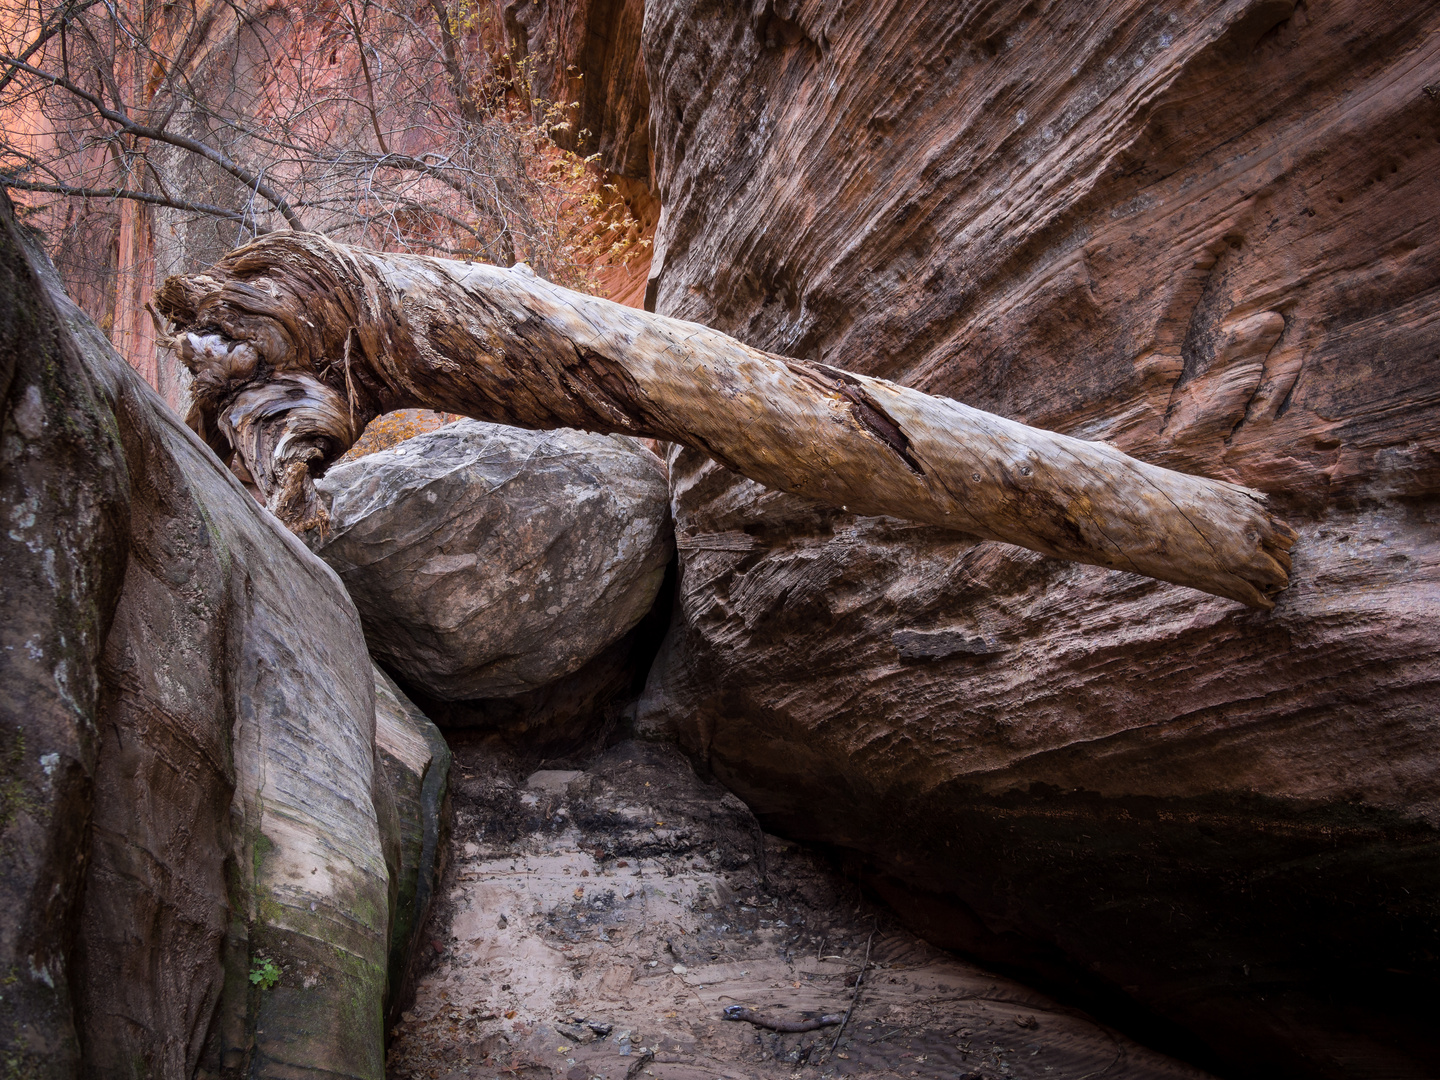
391, 429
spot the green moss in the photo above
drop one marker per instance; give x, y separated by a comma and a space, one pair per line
338, 1017
17, 1060
361, 1004
223, 557
270, 911
368, 912
14, 797
260, 846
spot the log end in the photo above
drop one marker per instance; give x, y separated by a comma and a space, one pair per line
1256, 568
296, 502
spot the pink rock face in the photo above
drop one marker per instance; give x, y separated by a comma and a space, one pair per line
1208, 234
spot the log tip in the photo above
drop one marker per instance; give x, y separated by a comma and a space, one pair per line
1266, 573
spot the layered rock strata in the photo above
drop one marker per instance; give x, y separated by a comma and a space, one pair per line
414, 760
1207, 234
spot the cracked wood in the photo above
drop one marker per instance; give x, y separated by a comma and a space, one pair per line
308, 340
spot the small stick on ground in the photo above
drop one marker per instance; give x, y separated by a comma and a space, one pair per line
740, 1012
859, 982
639, 1063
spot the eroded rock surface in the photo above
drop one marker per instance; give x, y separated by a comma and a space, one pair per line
62, 563
414, 761
1207, 233
598, 921
584, 56
194, 832
488, 561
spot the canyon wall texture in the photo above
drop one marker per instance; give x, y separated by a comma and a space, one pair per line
1208, 234
209, 863
585, 56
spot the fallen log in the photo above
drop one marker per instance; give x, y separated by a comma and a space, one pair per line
297, 342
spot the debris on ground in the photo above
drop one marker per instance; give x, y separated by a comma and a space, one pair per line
598, 924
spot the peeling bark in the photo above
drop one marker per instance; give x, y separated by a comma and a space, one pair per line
297, 342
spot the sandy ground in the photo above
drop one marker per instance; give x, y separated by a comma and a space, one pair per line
596, 924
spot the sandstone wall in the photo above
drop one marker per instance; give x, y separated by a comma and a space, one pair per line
207, 863
1207, 233
586, 54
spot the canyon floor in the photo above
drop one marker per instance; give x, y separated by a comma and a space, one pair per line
596, 923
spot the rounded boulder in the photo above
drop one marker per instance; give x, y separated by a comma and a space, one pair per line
488, 561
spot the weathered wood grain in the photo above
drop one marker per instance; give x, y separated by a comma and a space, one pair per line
296, 342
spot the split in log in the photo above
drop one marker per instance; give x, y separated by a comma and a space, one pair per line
297, 342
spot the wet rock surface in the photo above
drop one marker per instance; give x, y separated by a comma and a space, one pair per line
489, 562
601, 915
1207, 234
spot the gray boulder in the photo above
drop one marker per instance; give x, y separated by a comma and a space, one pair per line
414, 761
489, 561
207, 864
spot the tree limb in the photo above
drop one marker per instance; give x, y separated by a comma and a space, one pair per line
750, 1016
122, 193
369, 82
507, 347
469, 108
46, 32
145, 131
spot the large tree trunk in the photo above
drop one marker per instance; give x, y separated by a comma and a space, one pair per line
297, 342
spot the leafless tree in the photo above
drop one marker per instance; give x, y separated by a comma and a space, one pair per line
197, 125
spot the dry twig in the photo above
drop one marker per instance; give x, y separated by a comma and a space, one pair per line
740, 1012
859, 982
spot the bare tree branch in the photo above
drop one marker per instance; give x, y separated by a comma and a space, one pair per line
469, 108
123, 193
47, 31
145, 131
369, 82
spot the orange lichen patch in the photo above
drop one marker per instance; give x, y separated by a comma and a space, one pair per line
391, 429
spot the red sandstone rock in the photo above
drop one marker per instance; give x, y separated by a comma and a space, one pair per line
584, 56
1208, 234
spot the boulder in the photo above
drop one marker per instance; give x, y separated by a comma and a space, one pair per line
1210, 235
194, 836
581, 710
488, 562
414, 760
